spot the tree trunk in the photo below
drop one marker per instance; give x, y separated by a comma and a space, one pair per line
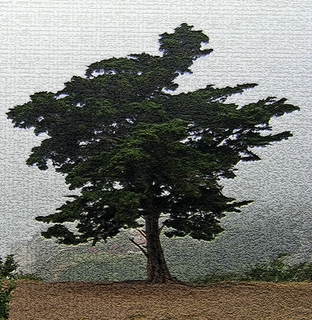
157, 270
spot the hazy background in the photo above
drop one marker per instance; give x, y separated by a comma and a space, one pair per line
44, 43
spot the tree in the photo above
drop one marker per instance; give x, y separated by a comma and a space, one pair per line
135, 149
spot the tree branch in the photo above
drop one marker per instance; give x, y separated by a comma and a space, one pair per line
137, 245
142, 233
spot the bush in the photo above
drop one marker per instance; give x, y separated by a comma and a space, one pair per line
7, 284
8, 268
274, 271
279, 271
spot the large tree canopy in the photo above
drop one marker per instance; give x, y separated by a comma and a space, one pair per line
137, 149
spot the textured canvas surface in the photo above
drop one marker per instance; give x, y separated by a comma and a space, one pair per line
45, 43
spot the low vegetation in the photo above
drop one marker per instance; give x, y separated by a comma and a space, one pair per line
7, 284
112, 263
105, 267
273, 271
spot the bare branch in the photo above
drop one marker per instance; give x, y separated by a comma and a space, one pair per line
137, 245
142, 232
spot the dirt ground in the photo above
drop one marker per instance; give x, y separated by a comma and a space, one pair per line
137, 300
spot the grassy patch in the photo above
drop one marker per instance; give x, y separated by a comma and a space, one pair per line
105, 267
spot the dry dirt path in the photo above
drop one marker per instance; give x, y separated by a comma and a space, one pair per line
138, 301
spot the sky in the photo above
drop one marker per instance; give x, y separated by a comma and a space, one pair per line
45, 43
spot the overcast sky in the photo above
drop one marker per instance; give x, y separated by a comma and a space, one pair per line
44, 43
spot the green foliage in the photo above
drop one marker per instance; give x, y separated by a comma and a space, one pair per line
136, 150
7, 284
28, 276
274, 271
279, 271
6, 287
8, 267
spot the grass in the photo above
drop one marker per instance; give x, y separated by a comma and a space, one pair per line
122, 267
27, 276
109, 267
105, 267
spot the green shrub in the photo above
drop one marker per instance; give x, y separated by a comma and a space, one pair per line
274, 271
28, 276
279, 271
7, 284
8, 268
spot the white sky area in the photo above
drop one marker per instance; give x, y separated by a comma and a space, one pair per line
45, 43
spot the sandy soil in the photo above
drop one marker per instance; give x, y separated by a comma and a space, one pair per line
137, 300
